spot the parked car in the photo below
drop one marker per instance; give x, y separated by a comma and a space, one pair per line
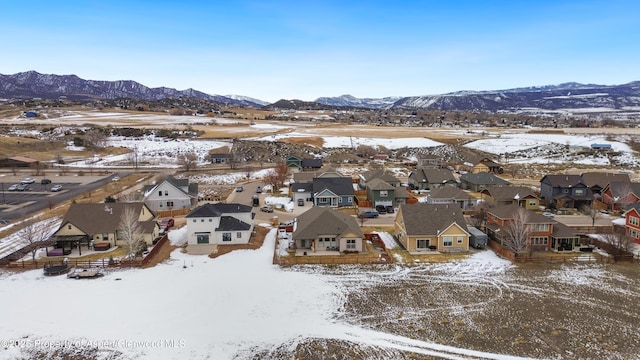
167, 223
56, 188
115, 178
28, 181
267, 208
13, 187
389, 209
23, 187
300, 202
258, 190
369, 214
239, 189
381, 209
548, 214
45, 181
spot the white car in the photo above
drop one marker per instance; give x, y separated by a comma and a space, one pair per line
13, 187
56, 188
115, 178
28, 181
548, 214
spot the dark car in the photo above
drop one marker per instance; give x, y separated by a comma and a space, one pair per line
45, 181
381, 209
239, 189
300, 202
369, 214
390, 210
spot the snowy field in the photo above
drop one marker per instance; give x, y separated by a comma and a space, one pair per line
240, 306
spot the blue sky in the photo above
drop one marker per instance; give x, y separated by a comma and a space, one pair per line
306, 49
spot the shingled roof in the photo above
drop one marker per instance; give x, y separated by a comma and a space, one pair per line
337, 185
216, 210
102, 217
379, 184
321, 220
483, 178
431, 219
507, 212
509, 192
603, 179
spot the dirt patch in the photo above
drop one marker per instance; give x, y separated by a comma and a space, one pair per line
311, 141
255, 242
162, 254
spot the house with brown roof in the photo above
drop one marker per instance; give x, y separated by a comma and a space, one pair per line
487, 165
431, 227
431, 178
597, 181
322, 230
620, 195
452, 195
94, 224
522, 196
18, 162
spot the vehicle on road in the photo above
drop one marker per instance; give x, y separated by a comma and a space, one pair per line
239, 189
23, 187
115, 178
13, 187
45, 181
56, 188
267, 208
390, 210
166, 224
259, 190
28, 181
368, 214
381, 209
255, 200
548, 214
300, 202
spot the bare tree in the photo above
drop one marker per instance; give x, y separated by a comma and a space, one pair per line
188, 161
277, 176
479, 216
516, 232
592, 212
95, 139
619, 240
36, 231
130, 231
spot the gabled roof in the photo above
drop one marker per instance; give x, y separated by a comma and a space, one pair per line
321, 220
561, 181
337, 185
216, 210
506, 212
180, 184
622, 189
311, 163
229, 223
450, 192
602, 179
483, 178
440, 217
378, 184
101, 217
380, 174
502, 193
561, 230
301, 187
433, 175
488, 162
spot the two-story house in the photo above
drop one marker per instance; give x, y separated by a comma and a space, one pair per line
487, 165
367, 176
620, 195
567, 191
597, 181
431, 227
632, 222
303, 164
171, 194
209, 225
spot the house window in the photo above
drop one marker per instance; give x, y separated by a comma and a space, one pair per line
226, 236
202, 238
459, 240
239, 235
169, 203
210, 220
69, 227
539, 240
579, 192
105, 236
634, 233
423, 244
201, 220
634, 220
160, 193
384, 193
539, 227
351, 243
195, 220
166, 193
532, 203
160, 204
448, 241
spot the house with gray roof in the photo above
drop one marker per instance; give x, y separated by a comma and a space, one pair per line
431, 178
303, 164
333, 191
210, 225
367, 176
597, 181
522, 196
92, 224
321, 229
452, 195
425, 227
480, 181
171, 194
568, 191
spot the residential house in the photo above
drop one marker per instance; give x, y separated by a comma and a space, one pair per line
487, 165
565, 191
597, 181
333, 191
480, 181
431, 178
18, 162
379, 192
209, 225
522, 196
367, 176
93, 224
431, 227
618, 196
543, 233
429, 161
452, 195
221, 158
302, 191
171, 194
322, 229
632, 222
303, 164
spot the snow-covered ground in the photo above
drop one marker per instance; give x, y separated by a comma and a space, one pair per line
194, 307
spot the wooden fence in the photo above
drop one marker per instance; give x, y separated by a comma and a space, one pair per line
171, 213
553, 257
